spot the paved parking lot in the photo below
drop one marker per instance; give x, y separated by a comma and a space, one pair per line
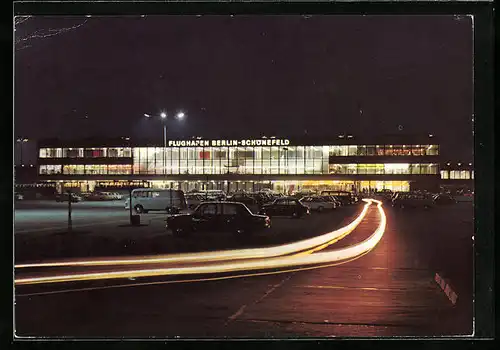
102, 229
32, 216
389, 291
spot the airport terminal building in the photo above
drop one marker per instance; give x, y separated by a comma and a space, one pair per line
285, 165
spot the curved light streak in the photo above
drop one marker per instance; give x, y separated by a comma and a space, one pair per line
195, 280
261, 264
224, 255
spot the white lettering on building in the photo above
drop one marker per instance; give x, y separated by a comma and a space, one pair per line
221, 143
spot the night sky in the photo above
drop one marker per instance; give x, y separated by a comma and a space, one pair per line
247, 76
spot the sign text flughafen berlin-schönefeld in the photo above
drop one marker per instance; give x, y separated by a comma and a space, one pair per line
215, 143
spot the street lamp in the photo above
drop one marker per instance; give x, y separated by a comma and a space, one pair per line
164, 117
21, 141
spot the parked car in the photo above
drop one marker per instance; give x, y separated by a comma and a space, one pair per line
85, 195
210, 195
443, 199
217, 195
115, 195
412, 200
242, 198
220, 216
302, 194
261, 198
465, 197
333, 200
194, 199
98, 196
64, 198
316, 203
337, 201
149, 199
285, 206
385, 194
344, 196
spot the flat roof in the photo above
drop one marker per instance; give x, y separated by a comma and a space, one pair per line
393, 139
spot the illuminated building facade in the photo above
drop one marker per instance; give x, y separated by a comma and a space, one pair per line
251, 164
456, 176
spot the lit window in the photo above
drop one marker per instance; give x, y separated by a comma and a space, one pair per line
433, 150
418, 150
49, 169
397, 168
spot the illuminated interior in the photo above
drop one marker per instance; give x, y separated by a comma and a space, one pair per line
254, 160
287, 187
372, 167
457, 174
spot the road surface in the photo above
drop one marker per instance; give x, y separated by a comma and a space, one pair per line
388, 292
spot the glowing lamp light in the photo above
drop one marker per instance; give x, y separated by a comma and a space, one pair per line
430, 135
180, 115
459, 164
163, 115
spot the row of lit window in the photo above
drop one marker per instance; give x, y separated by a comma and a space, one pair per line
381, 169
257, 152
385, 150
457, 174
94, 169
116, 152
269, 168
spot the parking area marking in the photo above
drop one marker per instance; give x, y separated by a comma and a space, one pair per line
354, 288
241, 310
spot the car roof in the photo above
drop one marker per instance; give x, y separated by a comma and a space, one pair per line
156, 190
222, 202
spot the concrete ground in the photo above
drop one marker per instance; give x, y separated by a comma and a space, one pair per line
388, 292
101, 229
37, 216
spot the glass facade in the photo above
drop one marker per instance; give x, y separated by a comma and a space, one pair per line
93, 152
457, 174
255, 160
235, 152
231, 160
384, 150
383, 169
88, 169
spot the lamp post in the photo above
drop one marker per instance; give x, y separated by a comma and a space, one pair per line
164, 117
21, 141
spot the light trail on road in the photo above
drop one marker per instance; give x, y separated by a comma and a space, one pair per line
253, 253
297, 260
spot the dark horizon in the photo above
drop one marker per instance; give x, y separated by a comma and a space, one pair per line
248, 76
